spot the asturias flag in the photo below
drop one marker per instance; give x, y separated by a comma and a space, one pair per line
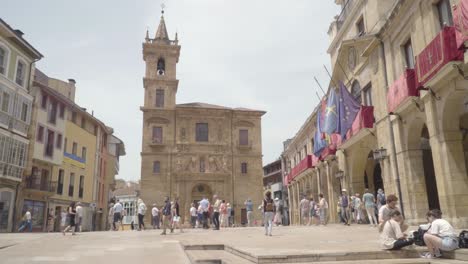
319, 142
348, 109
330, 124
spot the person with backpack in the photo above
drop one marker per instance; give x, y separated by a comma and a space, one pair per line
166, 212
440, 236
269, 211
381, 199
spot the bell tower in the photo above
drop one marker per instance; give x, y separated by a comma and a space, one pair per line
161, 56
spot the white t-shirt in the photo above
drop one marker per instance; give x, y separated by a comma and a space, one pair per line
63, 218
193, 211
442, 228
304, 205
142, 208
79, 211
118, 208
154, 211
390, 233
28, 216
323, 204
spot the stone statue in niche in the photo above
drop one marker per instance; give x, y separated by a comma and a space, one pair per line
179, 165
213, 165
191, 164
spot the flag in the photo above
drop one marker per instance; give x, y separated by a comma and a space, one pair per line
319, 142
330, 124
348, 109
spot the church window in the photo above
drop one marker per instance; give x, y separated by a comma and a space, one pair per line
159, 98
201, 132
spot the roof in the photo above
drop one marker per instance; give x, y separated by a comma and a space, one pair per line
212, 106
161, 33
16, 36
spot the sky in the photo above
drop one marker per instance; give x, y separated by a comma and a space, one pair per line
260, 54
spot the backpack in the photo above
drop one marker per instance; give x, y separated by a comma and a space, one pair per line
269, 206
418, 237
463, 239
382, 199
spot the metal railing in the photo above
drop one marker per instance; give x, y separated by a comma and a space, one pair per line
36, 183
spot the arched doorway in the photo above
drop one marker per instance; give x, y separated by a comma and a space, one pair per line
378, 181
201, 191
429, 173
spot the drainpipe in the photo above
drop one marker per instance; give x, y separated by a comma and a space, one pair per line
392, 135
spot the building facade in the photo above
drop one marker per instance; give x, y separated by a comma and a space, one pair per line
17, 58
273, 182
194, 150
404, 62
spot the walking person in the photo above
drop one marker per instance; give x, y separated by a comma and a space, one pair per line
79, 216
63, 220
27, 221
110, 217
193, 215
117, 209
199, 216
440, 236
71, 217
357, 206
229, 213
312, 208
381, 199
249, 208
304, 205
141, 214
205, 205
369, 202
268, 210
223, 213
391, 235
166, 215
176, 216
345, 203
278, 209
155, 216
323, 206
217, 204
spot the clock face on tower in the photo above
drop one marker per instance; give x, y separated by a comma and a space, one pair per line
351, 58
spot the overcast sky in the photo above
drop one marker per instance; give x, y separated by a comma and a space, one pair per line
260, 54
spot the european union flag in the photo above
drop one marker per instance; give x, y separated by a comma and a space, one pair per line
330, 124
348, 109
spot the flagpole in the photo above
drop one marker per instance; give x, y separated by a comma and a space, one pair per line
318, 96
330, 75
342, 69
320, 86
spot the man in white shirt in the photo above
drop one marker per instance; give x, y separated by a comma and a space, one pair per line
193, 215
141, 214
205, 204
155, 214
304, 205
117, 213
217, 203
27, 222
79, 216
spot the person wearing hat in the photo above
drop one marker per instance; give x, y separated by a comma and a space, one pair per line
345, 203
155, 215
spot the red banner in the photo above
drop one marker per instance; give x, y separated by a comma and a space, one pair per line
364, 119
402, 88
460, 19
441, 50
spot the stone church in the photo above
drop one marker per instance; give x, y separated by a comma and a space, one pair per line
194, 150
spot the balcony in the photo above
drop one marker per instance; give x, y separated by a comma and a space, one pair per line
4, 119
156, 142
402, 89
307, 163
20, 126
332, 147
247, 146
38, 184
364, 119
438, 53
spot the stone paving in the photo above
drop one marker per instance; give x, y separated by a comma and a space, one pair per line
150, 247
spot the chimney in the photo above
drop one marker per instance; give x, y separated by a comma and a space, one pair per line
72, 81
19, 33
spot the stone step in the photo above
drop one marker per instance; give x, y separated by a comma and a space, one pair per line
214, 257
390, 261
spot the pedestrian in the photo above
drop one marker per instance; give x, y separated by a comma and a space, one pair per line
63, 220
391, 236
386, 210
249, 208
117, 214
71, 217
268, 210
155, 216
79, 216
27, 221
110, 217
278, 209
229, 213
369, 202
122, 217
141, 214
205, 205
217, 204
323, 206
193, 215
345, 210
223, 213
357, 207
304, 205
338, 211
440, 236
312, 208
199, 216
166, 215
176, 216
381, 199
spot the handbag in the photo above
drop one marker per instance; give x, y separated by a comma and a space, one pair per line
463, 239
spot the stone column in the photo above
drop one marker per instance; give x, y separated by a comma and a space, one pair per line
331, 196
297, 213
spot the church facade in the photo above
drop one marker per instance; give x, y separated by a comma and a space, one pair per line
194, 150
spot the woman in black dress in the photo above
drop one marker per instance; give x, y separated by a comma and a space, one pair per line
71, 216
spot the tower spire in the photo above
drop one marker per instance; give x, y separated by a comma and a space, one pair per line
161, 33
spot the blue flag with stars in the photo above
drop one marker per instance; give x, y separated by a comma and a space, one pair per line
330, 124
348, 109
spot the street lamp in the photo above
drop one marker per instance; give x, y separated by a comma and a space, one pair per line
380, 154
